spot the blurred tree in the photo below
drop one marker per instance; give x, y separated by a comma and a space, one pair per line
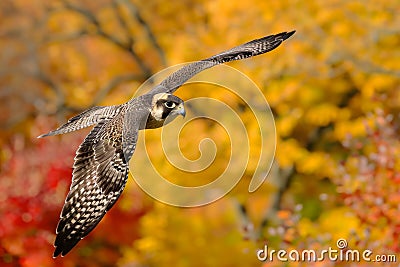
369, 183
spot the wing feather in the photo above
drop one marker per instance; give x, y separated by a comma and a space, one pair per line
249, 49
85, 119
99, 175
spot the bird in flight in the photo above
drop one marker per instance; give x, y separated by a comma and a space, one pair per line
101, 166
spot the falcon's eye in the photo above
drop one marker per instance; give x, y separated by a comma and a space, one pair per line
169, 104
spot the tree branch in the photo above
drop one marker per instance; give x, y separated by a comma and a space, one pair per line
286, 175
123, 23
101, 32
136, 14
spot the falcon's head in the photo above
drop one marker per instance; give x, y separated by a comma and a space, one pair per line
166, 105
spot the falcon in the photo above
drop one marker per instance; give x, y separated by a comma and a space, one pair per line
101, 165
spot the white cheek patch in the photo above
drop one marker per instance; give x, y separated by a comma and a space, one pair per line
157, 113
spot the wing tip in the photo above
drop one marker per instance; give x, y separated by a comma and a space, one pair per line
286, 35
51, 133
291, 33
57, 252
42, 135
64, 247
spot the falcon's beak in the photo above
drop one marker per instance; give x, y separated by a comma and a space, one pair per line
180, 110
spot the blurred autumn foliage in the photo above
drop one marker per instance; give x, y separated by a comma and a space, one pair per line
333, 88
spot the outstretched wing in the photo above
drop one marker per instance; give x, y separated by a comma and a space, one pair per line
250, 49
99, 176
85, 119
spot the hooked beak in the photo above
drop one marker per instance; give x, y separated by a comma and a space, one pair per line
181, 110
